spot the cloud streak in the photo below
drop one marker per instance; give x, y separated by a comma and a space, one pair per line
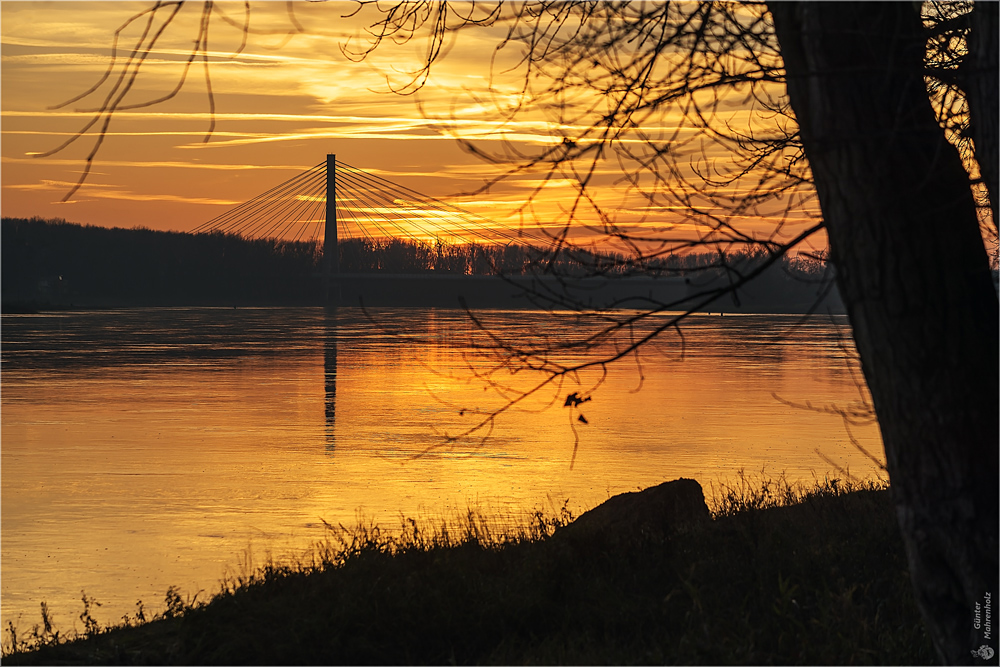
152, 164
105, 191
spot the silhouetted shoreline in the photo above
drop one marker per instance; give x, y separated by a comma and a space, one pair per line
55, 265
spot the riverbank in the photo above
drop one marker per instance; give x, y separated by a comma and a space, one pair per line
775, 575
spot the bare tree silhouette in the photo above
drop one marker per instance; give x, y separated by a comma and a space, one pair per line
731, 115
856, 104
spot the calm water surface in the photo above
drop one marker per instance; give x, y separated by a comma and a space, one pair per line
155, 447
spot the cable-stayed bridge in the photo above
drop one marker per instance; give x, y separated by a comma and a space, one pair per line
334, 201
363, 205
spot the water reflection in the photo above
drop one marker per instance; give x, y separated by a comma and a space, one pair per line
147, 448
330, 377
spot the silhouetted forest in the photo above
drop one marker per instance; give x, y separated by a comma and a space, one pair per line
60, 263
53, 263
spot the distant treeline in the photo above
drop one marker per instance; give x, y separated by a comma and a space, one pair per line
60, 263
53, 262
401, 256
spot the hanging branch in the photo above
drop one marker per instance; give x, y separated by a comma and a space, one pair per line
158, 19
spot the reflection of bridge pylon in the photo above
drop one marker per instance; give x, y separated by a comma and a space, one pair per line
363, 205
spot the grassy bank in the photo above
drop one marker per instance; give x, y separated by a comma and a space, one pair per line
778, 576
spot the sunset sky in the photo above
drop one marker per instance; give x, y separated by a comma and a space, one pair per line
281, 105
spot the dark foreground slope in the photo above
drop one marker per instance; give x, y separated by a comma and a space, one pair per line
822, 581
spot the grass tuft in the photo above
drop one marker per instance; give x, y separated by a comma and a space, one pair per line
751, 493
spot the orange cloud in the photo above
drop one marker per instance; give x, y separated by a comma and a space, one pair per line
105, 191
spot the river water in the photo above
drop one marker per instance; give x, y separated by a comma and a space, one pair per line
145, 448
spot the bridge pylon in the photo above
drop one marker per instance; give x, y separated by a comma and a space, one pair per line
331, 256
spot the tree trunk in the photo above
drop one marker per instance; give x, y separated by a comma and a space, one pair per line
913, 273
983, 93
